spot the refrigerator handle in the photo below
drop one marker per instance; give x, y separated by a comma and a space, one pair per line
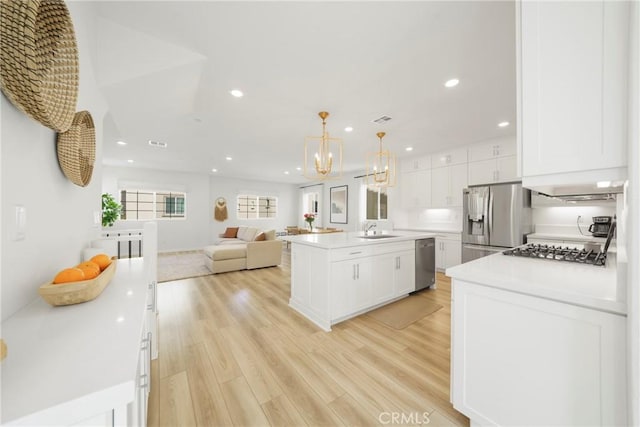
490, 215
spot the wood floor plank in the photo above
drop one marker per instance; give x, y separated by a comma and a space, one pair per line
224, 363
244, 409
281, 412
153, 412
176, 407
352, 413
258, 377
208, 403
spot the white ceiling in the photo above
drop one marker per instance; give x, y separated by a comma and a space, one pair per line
166, 69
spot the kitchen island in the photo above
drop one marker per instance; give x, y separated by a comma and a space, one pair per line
341, 275
538, 342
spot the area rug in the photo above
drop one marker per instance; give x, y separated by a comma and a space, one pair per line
181, 265
401, 314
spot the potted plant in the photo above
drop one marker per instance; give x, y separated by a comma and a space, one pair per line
110, 210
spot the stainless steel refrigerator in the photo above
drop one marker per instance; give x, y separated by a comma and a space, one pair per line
495, 217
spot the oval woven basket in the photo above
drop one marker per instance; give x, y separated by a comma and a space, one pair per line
77, 149
39, 60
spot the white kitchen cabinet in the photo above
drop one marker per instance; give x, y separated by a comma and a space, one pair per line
524, 360
309, 275
415, 164
448, 250
449, 158
352, 285
416, 189
447, 184
404, 279
491, 171
383, 277
573, 92
492, 149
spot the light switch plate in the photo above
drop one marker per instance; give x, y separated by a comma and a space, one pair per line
21, 223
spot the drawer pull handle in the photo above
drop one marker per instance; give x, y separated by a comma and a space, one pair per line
355, 253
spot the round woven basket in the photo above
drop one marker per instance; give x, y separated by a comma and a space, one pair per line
77, 149
39, 60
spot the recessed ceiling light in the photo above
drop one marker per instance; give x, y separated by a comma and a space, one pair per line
348, 129
214, 170
121, 143
286, 172
409, 149
298, 168
452, 83
503, 124
129, 161
228, 158
237, 93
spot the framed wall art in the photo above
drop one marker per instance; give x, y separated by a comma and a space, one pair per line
338, 204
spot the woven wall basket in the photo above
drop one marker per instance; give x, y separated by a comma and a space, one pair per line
77, 149
39, 60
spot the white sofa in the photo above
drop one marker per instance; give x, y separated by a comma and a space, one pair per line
243, 251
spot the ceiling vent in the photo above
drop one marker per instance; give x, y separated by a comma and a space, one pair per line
158, 144
382, 120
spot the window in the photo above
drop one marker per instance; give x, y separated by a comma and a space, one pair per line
252, 207
147, 205
376, 203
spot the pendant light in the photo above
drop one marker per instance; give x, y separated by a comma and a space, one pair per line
381, 167
322, 154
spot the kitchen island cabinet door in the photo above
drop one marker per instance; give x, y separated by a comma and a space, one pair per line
404, 273
524, 360
351, 287
383, 277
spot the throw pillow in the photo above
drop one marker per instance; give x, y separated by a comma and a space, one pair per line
270, 235
231, 232
259, 238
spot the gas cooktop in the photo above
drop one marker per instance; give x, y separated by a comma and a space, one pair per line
558, 253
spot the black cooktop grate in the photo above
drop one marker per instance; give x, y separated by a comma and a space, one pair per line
559, 253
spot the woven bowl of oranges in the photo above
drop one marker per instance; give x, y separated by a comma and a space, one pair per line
81, 283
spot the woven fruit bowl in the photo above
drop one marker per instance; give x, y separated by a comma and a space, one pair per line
77, 292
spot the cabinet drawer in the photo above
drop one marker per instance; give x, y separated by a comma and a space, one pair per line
350, 253
394, 247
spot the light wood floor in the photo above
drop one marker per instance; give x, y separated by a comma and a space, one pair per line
232, 352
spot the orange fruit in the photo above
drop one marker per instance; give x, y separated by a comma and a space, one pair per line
69, 275
90, 268
102, 260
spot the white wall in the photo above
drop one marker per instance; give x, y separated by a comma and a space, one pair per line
190, 233
230, 188
59, 213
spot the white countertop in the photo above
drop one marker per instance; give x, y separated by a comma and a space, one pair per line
578, 284
65, 361
351, 239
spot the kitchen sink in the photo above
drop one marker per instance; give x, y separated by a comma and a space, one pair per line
378, 236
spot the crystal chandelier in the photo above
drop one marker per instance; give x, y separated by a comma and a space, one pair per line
381, 167
319, 151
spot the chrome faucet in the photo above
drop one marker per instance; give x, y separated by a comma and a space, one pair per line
368, 227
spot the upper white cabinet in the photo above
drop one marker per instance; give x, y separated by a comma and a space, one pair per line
415, 164
573, 91
448, 158
493, 161
447, 184
492, 149
416, 189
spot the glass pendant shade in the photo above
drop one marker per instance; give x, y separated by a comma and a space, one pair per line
381, 167
322, 154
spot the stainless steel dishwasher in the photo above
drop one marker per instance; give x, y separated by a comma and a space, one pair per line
425, 263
